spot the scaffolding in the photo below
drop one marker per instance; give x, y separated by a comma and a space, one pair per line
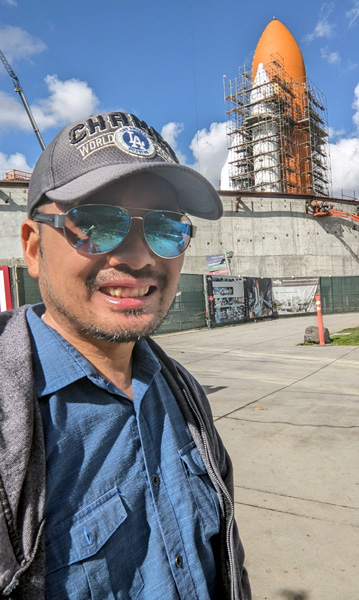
278, 133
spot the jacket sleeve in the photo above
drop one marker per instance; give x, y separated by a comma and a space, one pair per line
22, 466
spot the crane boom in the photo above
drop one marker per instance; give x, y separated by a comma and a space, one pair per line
18, 89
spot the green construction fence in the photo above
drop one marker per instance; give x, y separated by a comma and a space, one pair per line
339, 294
188, 311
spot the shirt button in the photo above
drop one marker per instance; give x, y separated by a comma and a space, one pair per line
178, 561
155, 480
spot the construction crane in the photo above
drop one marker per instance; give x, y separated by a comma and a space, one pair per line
18, 89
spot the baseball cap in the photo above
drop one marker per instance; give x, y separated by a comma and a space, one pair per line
93, 152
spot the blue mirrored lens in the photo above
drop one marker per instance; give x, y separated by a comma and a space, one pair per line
96, 229
100, 228
167, 233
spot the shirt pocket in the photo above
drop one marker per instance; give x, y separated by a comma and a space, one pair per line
203, 492
77, 559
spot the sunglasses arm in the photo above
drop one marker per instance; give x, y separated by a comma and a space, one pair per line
193, 231
57, 221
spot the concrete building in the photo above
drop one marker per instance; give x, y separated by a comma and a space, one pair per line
13, 199
277, 235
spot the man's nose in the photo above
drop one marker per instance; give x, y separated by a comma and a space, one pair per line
134, 250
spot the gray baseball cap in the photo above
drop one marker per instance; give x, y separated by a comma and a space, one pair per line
93, 152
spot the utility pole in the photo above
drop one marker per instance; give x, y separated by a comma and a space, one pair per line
18, 89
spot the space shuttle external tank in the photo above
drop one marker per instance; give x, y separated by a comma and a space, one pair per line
278, 63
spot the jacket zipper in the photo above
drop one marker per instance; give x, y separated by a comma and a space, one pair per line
224, 490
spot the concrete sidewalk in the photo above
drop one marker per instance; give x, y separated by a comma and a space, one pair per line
289, 416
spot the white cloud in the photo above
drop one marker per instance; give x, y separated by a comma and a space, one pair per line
170, 133
345, 173
333, 58
351, 65
67, 101
323, 28
209, 149
335, 133
12, 114
344, 156
17, 161
16, 43
353, 13
9, 2
355, 105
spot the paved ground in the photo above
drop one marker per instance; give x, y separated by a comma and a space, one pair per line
289, 416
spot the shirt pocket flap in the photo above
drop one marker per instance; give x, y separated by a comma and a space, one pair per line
191, 456
84, 534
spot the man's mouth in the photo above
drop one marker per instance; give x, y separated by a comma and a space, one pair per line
127, 292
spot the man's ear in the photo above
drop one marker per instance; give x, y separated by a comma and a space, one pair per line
30, 244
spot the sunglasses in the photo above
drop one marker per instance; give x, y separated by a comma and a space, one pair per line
100, 228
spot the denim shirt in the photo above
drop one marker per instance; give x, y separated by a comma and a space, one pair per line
130, 510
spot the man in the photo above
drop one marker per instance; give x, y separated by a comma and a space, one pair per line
114, 482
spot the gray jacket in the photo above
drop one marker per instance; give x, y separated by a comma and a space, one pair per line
22, 469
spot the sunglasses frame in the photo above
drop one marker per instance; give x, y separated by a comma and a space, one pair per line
58, 220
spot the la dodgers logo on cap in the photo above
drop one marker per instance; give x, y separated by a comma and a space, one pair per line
134, 141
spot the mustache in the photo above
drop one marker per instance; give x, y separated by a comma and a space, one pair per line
93, 281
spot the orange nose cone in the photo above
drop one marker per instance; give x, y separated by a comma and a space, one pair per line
277, 39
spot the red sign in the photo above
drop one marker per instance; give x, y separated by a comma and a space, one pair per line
5, 289
220, 272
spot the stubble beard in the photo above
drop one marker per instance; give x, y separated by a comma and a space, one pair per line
126, 334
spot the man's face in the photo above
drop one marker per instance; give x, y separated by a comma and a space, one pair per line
118, 296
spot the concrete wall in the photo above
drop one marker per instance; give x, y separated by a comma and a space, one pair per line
270, 237
275, 237
12, 214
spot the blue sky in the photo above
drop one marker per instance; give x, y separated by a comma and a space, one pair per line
164, 60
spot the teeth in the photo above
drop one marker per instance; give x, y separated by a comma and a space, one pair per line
125, 292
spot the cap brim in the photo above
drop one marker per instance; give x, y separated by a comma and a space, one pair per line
196, 196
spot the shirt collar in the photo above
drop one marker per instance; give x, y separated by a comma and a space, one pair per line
58, 364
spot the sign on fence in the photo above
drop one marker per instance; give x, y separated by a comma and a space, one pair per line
294, 294
226, 300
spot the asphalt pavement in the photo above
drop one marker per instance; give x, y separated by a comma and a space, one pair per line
289, 417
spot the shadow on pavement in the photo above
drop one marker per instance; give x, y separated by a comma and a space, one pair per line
291, 595
210, 389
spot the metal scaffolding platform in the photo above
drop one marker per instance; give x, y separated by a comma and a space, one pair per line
278, 133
